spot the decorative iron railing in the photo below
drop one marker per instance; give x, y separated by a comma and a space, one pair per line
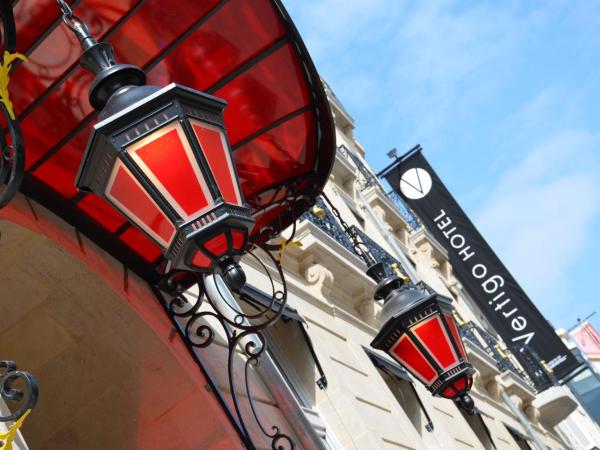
343, 151
542, 377
413, 221
532, 371
368, 179
327, 222
19, 391
487, 342
391, 264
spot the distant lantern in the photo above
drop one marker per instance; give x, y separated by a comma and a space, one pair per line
162, 158
420, 333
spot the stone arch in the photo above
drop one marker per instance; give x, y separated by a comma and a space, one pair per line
99, 345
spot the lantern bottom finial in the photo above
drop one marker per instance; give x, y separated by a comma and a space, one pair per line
466, 403
233, 274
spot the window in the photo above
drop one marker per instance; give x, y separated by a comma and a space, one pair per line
586, 386
480, 429
400, 384
297, 365
519, 438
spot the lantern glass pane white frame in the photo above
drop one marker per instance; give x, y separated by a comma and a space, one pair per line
165, 163
424, 338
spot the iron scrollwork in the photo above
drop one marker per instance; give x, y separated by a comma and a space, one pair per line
533, 373
199, 325
24, 397
12, 147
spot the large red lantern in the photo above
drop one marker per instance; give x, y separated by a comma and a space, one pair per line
420, 333
162, 158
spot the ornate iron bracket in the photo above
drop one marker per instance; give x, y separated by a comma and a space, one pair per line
25, 398
199, 325
12, 147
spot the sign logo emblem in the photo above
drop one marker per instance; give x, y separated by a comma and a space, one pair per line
415, 183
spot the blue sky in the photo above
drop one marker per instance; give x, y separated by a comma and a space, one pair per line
504, 97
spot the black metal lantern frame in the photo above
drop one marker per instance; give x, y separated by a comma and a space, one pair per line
113, 147
402, 323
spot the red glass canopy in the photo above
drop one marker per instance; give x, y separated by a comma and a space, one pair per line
247, 52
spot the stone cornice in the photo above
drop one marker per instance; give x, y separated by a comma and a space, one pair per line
515, 385
422, 236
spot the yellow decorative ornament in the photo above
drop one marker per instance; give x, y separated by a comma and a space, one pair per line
284, 244
461, 323
5, 67
8, 437
397, 271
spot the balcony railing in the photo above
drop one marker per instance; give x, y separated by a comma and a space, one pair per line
369, 180
329, 224
413, 221
380, 254
532, 371
542, 377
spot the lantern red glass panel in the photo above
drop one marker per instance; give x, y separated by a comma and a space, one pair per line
165, 163
420, 333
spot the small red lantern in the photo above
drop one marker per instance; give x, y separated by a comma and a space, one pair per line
420, 333
162, 158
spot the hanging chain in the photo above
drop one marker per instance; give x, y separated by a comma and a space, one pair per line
65, 9
73, 23
359, 247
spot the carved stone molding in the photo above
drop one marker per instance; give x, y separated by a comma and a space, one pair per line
453, 285
319, 278
532, 413
495, 389
366, 309
381, 215
332, 184
518, 401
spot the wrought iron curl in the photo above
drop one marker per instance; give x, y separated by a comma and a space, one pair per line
180, 304
248, 322
27, 397
201, 335
243, 331
253, 351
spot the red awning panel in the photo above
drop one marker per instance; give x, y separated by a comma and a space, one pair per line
244, 51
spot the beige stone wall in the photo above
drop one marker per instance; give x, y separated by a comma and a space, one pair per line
362, 407
107, 379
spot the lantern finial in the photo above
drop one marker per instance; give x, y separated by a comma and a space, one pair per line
466, 403
99, 58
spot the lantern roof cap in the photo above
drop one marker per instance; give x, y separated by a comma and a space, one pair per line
133, 99
169, 90
398, 303
401, 300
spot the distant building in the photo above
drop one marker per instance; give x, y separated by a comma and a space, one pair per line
584, 342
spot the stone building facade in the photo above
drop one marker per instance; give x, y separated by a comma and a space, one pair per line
113, 374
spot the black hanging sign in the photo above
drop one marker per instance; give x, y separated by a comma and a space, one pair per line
480, 271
